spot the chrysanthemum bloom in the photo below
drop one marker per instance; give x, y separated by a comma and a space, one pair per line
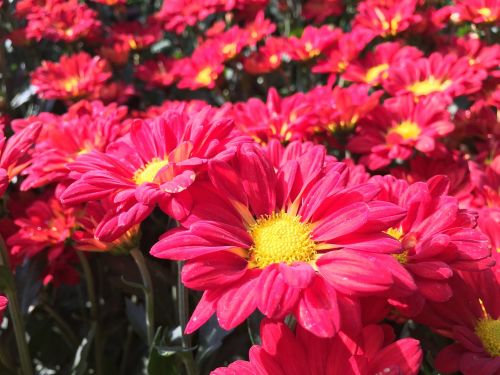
155, 164
4, 302
296, 240
486, 178
472, 319
445, 75
87, 126
478, 11
312, 42
347, 49
14, 156
373, 68
481, 56
228, 43
44, 226
157, 72
268, 57
399, 126
87, 220
136, 35
452, 165
339, 110
488, 222
319, 10
279, 118
437, 237
72, 77
178, 14
259, 28
284, 352
199, 70
385, 18
60, 20
190, 107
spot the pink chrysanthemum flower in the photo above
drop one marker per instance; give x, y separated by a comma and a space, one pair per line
394, 130
14, 156
157, 72
472, 319
446, 75
85, 127
296, 240
319, 10
437, 237
200, 70
155, 164
478, 11
385, 18
59, 20
373, 68
72, 77
283, 352
312, 42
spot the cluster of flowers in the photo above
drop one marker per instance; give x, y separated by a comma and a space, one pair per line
363, 188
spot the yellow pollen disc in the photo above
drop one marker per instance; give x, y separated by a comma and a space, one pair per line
148, 172
132, 44
488, 330
341, 66
273, 59
311, 51
229, 50
402, 258
280, 238
204, 77
396, 233
71, 85
407, 130
374, 72
486, 13
429, 86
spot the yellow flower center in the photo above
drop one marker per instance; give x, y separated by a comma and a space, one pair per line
407, 130
229, 50
281, 238
488, 330
374, 72
486, 13
273, 59
148, 172
204, 77
396, 233
132, 44
311, 51
429, 86
71, 85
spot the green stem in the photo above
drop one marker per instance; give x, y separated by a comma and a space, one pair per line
183, 305
148, 293
16, 317
94, 311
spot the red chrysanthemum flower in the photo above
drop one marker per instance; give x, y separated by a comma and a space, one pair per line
72, 77
157, 72
312, 42
319, 10
481, 56
267, 58
134, 34
279, 118
59, 20
178, 14
478, 11
259, 28
199, 70
373, 68
283, 352
87, 126
438, 238
44, 226
155, 164
347, 49
296, 240
394, 130
14, 156
444, 75
385, 18
228, 43
472, 319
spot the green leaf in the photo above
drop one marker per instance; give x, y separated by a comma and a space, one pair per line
163, 363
